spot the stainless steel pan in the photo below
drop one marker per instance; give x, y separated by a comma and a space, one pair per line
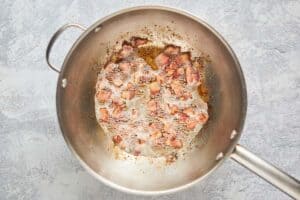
228, 100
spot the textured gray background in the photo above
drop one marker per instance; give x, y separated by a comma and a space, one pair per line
34, 160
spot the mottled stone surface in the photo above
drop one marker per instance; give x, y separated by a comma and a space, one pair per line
34, 160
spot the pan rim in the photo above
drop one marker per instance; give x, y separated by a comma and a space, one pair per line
239, 129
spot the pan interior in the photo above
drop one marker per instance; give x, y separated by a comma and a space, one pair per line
75, 102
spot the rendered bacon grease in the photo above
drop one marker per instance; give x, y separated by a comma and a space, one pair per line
147, 99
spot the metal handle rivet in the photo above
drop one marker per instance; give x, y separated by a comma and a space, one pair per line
97, 29
220, 156
64, 83
233, 134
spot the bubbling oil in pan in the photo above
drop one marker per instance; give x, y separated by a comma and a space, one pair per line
150, 100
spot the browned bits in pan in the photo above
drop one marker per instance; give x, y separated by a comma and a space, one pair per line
149, 53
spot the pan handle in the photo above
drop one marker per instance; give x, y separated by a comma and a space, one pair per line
54, 38
267, 171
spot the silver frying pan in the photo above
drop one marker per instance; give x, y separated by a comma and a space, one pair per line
228, 102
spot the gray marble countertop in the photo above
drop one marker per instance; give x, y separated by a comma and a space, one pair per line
34, 160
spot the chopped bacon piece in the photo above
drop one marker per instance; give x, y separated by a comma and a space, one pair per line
188, 73
130, 86
109, 77
104, 116
117, 81
177, 73
127, 94
137, 41
177, 144
125, 67
189, 111
170, 71
177, 88
109, 68
152, 106
136, 152
192, 75
103, 95
183, 59
196, 77
117, 139
191, 124
154, 88
183, 117
203, 117
173, 65
173, 109
155, 126
126, 51
162, 60
160, 79
117, 109
186, 96
172, 50
180, 71
156, 135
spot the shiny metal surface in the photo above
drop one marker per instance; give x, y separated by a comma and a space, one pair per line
75, 100
54, 38
75, 106
275, 176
